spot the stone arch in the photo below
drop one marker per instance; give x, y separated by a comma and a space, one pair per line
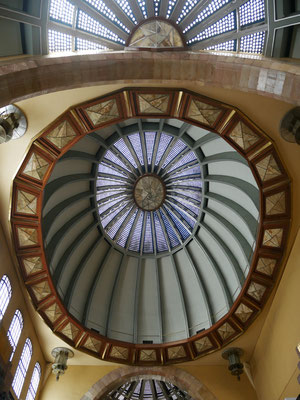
29, 77
176, 376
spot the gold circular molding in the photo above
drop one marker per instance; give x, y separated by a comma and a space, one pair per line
236, 129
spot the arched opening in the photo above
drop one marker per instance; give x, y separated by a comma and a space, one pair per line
175, 376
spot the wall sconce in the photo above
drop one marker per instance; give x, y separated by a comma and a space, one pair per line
290, 126
233, 356
13, 123
61, 355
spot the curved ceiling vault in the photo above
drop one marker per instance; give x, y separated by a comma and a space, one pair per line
149, 224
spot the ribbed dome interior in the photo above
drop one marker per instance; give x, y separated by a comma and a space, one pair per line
160, 296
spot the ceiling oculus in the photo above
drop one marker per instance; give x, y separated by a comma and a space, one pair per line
149, 192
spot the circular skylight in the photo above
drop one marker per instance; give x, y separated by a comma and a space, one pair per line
149, 192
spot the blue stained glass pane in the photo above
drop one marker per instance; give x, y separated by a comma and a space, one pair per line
177, 194
62, 10
104, 207
136, 237
161, 242
189, 171
190, 156
126, 231
171, 6
186, 9
102, 194
209, 10
252, 11
173, 239
135, 141
107, 169
89, 24
175, 151
150, 141
82, 44
230, 45
188, 181
114, 229
111, 157
112, 215
226, 24
122, 147
191, 207
188, 219
184, 233
124, 5
142, 5
58, 41
253, 43
109, 182
106, 12
148, 240
164, 142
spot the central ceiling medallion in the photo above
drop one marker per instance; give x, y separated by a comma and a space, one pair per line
149, 192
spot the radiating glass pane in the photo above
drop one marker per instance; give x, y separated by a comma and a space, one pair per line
226, 24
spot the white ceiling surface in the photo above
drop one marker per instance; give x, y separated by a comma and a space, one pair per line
159, 299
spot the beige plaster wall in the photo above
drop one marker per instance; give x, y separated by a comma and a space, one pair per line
78, 380
17, 302
274, 362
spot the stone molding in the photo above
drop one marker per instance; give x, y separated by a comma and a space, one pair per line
28, 77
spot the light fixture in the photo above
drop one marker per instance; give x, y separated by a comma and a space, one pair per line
13, 123
61, 355
290, 126
233, 356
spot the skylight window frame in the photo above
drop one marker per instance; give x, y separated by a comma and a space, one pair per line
60, 21
106, 34
196, 39
163, 134
193, 24
255, 21
116, 21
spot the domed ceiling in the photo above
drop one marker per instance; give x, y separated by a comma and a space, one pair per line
150, 224
230, 25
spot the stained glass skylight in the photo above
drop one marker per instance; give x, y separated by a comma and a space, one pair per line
226, 24
253, 43
153, 205
156, 7
252, 11
230, 45
82, 45
58, 41
89, 24
100, 6
171, 6
62, 10
186, 9
143, 8
125, 6
212, 7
